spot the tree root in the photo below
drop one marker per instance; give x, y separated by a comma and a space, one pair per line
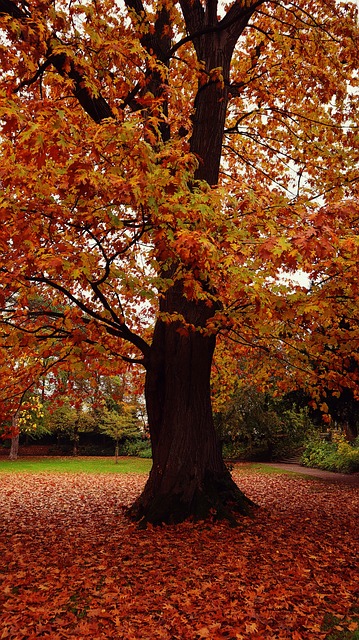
218, 498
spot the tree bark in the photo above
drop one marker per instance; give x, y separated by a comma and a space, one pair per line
14, 449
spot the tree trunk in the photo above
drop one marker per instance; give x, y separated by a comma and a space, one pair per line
76, 438
350, 430
188, 476
14, 449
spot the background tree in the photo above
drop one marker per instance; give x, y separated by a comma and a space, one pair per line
27, 419
120, 424
120, 414
20, 401
70, 400
66, 418
163, 161
258, 426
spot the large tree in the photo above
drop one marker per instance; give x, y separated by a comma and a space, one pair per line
162, 165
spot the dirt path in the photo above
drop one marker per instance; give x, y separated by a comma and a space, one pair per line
351, 480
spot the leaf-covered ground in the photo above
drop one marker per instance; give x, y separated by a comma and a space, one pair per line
72, 566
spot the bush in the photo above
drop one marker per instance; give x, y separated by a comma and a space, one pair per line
334, 455
140, 448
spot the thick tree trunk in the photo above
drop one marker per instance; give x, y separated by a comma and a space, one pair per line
188, 476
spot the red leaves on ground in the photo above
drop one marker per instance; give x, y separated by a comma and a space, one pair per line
72, 566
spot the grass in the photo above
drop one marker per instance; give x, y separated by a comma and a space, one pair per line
93, 464
261, 467
48, 464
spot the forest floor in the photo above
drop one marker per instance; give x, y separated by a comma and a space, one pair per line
72, 565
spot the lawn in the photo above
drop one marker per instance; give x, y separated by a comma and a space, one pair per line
73, 566
92, 464
57, 464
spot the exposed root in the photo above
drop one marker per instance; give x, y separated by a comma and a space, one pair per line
218, 498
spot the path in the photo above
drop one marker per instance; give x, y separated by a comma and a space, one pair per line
350, 479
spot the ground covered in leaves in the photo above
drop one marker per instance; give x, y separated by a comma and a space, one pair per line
72, 566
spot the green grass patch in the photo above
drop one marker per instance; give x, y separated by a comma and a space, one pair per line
75, 465
261, 467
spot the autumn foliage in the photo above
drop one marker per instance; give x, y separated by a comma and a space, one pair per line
73, 567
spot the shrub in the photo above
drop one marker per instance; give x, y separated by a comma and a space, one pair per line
140, 448
348, 456
334, 455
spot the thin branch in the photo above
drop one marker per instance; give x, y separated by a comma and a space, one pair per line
292, 115
256, 168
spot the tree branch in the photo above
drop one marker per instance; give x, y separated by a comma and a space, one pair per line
115, 328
